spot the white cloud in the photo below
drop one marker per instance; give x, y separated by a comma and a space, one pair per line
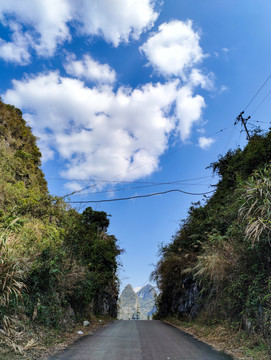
205, 142
197, 78
115, 20
47, 23
223, 88
174, 49
189, 110
99, 133
137, 288
73, 186
89, 69
15, 51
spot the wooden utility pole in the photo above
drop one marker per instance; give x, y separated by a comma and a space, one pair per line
243, 121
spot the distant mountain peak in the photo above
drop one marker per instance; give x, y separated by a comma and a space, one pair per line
128, 288
138, 305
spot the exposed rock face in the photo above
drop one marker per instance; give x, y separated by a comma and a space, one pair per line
146, 298
189, 302
185, 302
106, 303
137, 306
128, 304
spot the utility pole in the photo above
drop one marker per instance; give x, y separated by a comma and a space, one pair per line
244, 122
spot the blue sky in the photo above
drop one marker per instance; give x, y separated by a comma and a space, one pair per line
125, 94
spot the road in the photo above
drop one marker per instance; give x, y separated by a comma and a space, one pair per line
139, 340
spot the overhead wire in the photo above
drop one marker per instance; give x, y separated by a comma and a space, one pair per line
111, 181
152, 183
255, 126
139, 196
229, 138
126, 181
260, 104
128, 171
140, 187
258, 91
119, 181
220, 131
262, 122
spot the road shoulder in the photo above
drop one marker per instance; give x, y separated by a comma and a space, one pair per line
53, 341
238, 344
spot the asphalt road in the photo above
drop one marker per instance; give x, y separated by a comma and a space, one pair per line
139, 340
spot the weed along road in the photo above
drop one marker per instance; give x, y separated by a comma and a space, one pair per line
139, 340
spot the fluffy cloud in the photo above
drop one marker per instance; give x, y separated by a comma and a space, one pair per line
205, 142
90, 69
17, 50
115, 20
174, 49
189, 110
46, 23
99, 133
197, 78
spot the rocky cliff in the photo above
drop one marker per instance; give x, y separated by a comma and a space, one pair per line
137, 306
128, 304
146, 298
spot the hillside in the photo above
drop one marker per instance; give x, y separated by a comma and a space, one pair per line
217, 268
57, 266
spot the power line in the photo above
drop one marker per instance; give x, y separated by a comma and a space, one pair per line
124, 181
140, 187
268, 94
219, 131
108, 181
139, 196
257, 92
128, 171
255, 126
262, 122
229, 138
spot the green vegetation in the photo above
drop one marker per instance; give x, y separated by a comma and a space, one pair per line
57, 266
218, 265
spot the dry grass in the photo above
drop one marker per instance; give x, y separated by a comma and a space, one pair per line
256, 209
12, 273
47, 342
217, 261
71, 274
237, 343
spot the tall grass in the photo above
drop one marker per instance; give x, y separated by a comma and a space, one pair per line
12, 274
256, 210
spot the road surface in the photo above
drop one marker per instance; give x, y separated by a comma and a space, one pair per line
139, 340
